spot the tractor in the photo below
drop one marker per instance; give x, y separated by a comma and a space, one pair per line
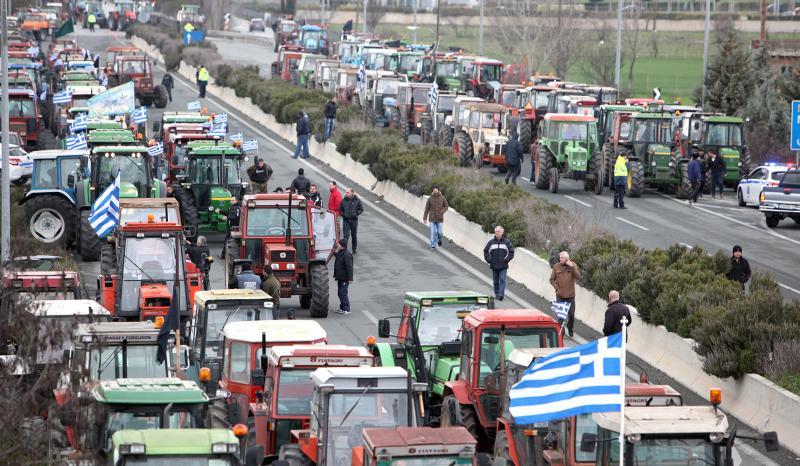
344, 401
24, 116
172, 447
176, 151
292, 236
722, 134
648, 146
428, 344
380, 96
181, 122
142, 266
324, 78
244, 348
113, 52
415, 445
43, 284
604, 94
482, 77
488, 338
123, 15
286, 65
567, 146
284, 406
606, 123
190, 14
407, 61
285, 32
412, 102
346, 84
480, 135
530, 105
437, 124
213, 309
137, 68
304, 74
314, 39
446, 75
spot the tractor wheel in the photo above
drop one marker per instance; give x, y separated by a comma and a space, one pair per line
462, 148
525, 135
394, 118
595, 166
189, 216
447, 137
404, 128
220, 415
454, 415
90, 242
305, 301
772, 220
542, 168
744, 160
685, 188
426, 131
291, 453
635, 178
162, 97
108, 259
608, 155
50, 219
501, 450
320, 291
231, 254
553, 184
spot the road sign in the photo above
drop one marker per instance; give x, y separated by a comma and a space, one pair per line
795, 142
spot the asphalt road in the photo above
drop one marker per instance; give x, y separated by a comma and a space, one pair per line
393, 254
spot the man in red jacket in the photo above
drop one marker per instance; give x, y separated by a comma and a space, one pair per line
335, 199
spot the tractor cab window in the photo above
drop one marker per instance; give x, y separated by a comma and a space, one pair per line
717, 134
492, 348
149, 260
21, 108
673, 450
420, 95
107, 362
387, 86
490, 120
409, 62
149, 418
648, 130
206, 170
239, 367
442, 322
288, 28
539, 100
508, 98
132, 171
583, 425
467, 66
445, 103
217, 319
174, 460
294, 392
45, 174
573, 131
491, 73
474, 120
521, 99
134, 67
446, 69
273, 221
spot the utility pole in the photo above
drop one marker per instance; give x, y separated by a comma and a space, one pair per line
480, 34
414, 5
323, 14
618, 59
364, 26
705, 50
5, 182
438, 18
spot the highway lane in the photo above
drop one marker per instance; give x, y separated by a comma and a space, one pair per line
393, 256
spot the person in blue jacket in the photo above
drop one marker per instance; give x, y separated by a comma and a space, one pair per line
695, 177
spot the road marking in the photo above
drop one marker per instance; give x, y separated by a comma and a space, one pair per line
371, 317
786, 287
633, 224
686, 245
579, 201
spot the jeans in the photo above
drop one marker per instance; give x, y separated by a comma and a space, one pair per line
202, 86
697, 186
571, 313
499, 279
351, 228
717, 180
302, 142
436, 233
329, 127
513, 173
169, 93
344, 299
619, 193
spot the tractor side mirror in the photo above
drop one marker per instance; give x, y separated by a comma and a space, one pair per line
257, 377
770, 441
384, 328
71, 181
189, 231
588, 442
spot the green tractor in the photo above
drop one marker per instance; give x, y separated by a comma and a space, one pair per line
212, 178
110, 137
568, 146
648, 146
721, 134
428, 339
134, 166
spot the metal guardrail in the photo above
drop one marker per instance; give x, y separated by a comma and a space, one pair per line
240, 37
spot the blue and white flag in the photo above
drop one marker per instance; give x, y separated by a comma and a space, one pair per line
139, 115
250, 145
579, 380
80, 123
105, 210
219, 130
156, 149
236, 137
63, 97
433, 94
77, 142
560, 309
221, 118
193, 105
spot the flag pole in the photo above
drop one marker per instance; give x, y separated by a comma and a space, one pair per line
622, 392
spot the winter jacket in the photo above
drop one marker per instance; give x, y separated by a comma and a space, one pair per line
513, 152
435, 208
563, 279
498, 253
259, 175
271, 286
695, 170
167, 81
301, 185
343, 266
614, 314
717, 165
196, 252
234, 212
303, 127
335, 200
330, 109
248, 281
740, 270
315, 198
351, 207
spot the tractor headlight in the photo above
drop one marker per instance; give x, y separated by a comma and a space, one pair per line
290, 266
132, 449
211, 208
274, 266
739, 164
671, 164
634, 438
716, 437
219, 448
268, 304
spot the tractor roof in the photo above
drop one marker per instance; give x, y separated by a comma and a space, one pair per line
507, 316
420, 441
487, 61
111, 137
486, 107
139, 203
202, 297
569, 117
723, 119
211, 149
276, 331
190, 117
652, 116
67, 307
51, 154
183, 137
264, 199
382, 378
116, 332
444, 295
657, 420
104, 124
175, 441
321, 355
149, 391
121, 149
620, 108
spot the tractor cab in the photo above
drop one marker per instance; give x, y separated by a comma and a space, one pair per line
413, 100
407, 62
383, 59
507, 95
24, 115
554, 97
568, 147
723, 135
288, 60
176, 150
649, 150
405, 446
314, 39
163, 209
481, 133
483, 77
113, 52
576, 105
530, 104
180, 122
381, 95
325, 75
347, 81
604, 94
446, 74
288, 388
130, 161
304, 75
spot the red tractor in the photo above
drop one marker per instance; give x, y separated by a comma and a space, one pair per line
412, 102
347, 81
294, 237
52, 284
484, 78
286, 31
530, 104
137, 68
288, 60
176, 148
24, 116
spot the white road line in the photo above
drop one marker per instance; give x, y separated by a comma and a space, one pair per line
786, 287
633, 224
686, 245
578, 201
371, 317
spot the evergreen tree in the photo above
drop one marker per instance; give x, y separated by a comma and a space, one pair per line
729, 82
767, 128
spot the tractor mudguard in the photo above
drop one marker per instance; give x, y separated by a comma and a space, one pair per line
458, 388
385, 354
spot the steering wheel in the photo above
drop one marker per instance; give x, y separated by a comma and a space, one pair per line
275, 230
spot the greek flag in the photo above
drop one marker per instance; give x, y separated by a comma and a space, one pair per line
139, 115
193, 105
219, 130
579, 380
433, 94
80, 123
105, 210
155, 149
63, 97
250, 145
560, 309
77, 142
236, 137
221, 118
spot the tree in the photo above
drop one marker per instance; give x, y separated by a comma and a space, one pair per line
767, 128
599, 54
729, 81
375, 13
631, 38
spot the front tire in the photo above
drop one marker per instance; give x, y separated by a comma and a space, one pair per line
543, 165
685, 188
108, 259
162, 96
462, 148
51, 219
320, 291
454, 414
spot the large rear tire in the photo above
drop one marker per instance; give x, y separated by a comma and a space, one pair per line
685, 188
426, 131
608, 156
320, 291
189, 216
447, 137
90, 242
161, 96
291, 453
394, 118
635, 178
220, 415
108, 259
526, 135
51, 219
404, 129
543, 163
745, 160
462, 148
595, 167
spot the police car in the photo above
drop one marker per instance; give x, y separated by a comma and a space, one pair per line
750, 187
20, 166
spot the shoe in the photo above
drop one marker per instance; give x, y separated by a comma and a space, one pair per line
440, 241
433, 247
623, 207
354, 251
344, 312
501, 298
616, 207
571, 333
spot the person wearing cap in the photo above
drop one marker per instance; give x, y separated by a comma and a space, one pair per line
343, 274
271, 286
740, 268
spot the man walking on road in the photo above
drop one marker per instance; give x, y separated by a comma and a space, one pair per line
303, 129
247, 280
330, 117
513, 150
498, 252
620, 180
168, 84
335, 198
563, 278
740, 268
343, 274
300, 184
271, 286
614, 314
259, 174
435, 208
716, 166
202, 80
350, 209
695, 169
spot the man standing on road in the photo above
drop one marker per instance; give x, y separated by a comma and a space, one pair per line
91, 20
330, 117
498, 252
350, 209
314, 196
343, 274
513, 152
695, 169
435, 208
620, 180
202, 80
302, 129
234, 212
300, 184
168, 84
614, 314
740, 268
335, 198
563, 278
259, 174
247, 280
271, 286
716, 166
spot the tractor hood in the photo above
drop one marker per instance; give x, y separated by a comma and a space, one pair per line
154, 300
128, 190
578, 156
446, 369
452, 84
496, 139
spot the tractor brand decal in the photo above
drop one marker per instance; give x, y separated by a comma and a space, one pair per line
428, 451
130, 338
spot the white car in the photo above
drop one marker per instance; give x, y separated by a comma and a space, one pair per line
749, 189
20, 166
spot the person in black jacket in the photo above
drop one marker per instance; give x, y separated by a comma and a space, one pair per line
301, 185
200, 255
234, 212
513, 150
314, 196
330, 117
716, 167
259, 173
615, 312
168, 84
740, 268
303, 129
350, 209
343, 274
498, 253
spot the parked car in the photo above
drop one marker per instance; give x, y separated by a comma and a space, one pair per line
20, 166
257, 24
749, 190
782, 201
